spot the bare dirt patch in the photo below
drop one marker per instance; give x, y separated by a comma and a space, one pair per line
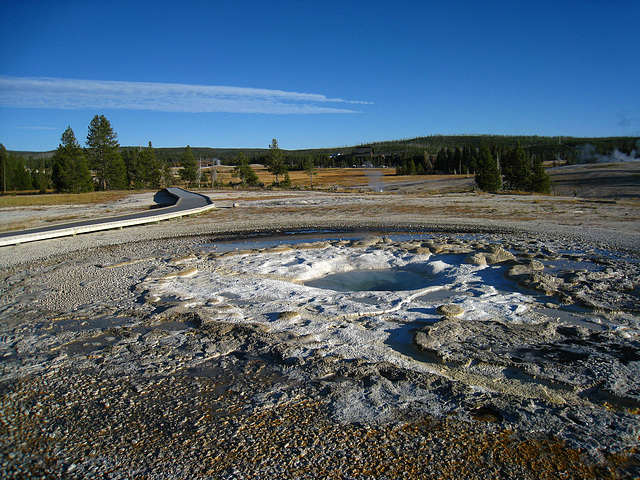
593, 194
603, 180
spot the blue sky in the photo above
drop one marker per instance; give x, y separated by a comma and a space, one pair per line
316, 73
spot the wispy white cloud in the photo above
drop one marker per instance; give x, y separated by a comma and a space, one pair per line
70, 94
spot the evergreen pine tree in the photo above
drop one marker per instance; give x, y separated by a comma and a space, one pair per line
309, 167
70, 173
451, 161
411, 167
521, 169
131, 159
149, 168
441, 161
41, 181
21, 178
540, 181
189, 170
274, 161
244, 172
425, 161
104, 157
507, 168
488, 176
167, 177
457, 160
469, 159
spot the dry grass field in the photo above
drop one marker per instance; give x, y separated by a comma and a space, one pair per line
41, 200
615, 181
607, 180
323, 177
349, 178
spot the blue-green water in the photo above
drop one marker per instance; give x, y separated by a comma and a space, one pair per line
389, 280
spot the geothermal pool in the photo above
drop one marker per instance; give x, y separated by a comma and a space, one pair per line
365, 297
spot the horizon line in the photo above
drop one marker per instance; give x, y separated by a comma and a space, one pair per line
355, 144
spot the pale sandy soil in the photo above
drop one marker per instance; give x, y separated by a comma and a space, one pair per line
14, 218
611, 224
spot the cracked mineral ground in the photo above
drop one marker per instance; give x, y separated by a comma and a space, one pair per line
402, 354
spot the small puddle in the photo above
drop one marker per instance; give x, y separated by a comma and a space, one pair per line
175, 326
237, 300
367, 300
88, 345
97, 323
259, 242
579, 319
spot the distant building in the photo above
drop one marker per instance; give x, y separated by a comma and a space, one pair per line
209, 162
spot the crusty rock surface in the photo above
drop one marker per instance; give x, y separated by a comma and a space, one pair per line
99, 379
450, 310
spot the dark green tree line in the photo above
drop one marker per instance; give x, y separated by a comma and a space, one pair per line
69, 171
15, 175
143, 168
488, 175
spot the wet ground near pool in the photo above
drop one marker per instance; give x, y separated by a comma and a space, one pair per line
558, 260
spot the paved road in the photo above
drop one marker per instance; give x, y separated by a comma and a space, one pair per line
185, 203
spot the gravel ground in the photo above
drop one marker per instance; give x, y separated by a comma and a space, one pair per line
612, 224
172, 397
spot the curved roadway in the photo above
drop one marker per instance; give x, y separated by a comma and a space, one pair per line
186, 203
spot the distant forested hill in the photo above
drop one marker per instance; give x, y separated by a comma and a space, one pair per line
566, 148
394, 152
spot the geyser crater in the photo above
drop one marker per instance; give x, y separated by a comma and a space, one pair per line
388, 280
371, 298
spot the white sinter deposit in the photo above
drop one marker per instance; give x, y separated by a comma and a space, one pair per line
268, 286
458, 285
